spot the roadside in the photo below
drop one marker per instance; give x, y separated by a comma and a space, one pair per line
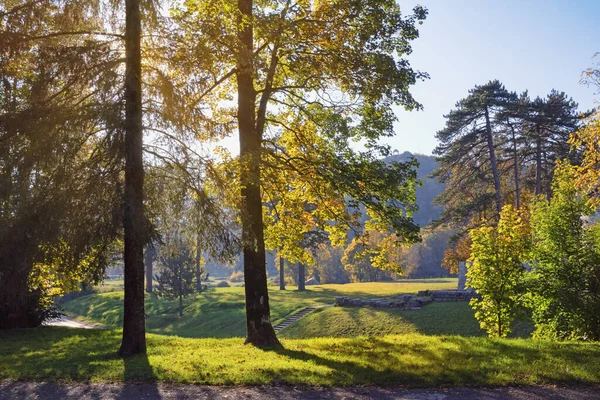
160, 391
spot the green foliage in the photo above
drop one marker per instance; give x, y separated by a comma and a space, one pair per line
59, 172
497, 272
566, 275
496, 147
176, 277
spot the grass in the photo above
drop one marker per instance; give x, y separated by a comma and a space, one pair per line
220, 313
62, 354
451, 318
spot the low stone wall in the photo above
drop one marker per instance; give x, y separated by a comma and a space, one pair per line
405, 302
449, 295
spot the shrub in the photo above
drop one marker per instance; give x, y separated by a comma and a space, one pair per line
223, 284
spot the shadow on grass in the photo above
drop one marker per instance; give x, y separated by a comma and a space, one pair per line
457, 361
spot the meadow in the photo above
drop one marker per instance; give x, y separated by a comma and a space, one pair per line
439, 345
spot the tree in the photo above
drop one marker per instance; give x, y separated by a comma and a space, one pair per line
149, 257
497, 272
470, 140
566, 271
57, 225
135, 226
176, 278
288, 62
548, 123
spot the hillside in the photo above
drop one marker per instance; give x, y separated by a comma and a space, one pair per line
428, 191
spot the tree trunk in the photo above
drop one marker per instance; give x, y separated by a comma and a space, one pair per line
538, 165
281, 272
134, 322
492, 151
258, 320
180, 289
301, 277
148, 260
516, 172
14, 299
198, 265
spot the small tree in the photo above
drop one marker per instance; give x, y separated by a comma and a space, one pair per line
497, 272
176, 279
566, 274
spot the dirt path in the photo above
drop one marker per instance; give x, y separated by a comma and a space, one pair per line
150, 391
69, 323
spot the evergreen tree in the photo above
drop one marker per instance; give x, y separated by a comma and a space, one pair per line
177, 273
468, 148
547, 125
57, 224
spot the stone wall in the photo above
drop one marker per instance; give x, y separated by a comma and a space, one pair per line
449, 295
405, 302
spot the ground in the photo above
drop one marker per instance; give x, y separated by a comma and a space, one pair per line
154, 391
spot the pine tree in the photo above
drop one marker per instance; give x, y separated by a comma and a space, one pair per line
177, 273
468, 148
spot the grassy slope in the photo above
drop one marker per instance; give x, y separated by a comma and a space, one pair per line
434, 319
413, 360
220, 312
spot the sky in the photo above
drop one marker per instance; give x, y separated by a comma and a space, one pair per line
535, 45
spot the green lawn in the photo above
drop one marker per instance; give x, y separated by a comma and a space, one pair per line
220, 313
62, 354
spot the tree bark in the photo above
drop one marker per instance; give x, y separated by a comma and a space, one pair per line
134, 321
301, 277
198, 265
258, 321
14, 299
281, 272
538, 165
492, 151
516, 172
148, 260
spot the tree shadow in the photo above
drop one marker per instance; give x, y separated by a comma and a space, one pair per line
139, 378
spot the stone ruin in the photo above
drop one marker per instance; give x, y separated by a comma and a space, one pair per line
407, 301
404, 302
449, 295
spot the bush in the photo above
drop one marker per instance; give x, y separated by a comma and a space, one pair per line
237, 276
223, 284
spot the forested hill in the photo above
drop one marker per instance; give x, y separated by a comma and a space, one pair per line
430, 189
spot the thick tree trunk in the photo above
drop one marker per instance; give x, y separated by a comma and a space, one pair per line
258, 320
14, 300
492, 151
281, 272
134, 321
198, 265
148, 260
301, 277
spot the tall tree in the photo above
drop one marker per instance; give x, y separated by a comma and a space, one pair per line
134, 224
469, 142
548, 123
292, 61
57, 225
258, 316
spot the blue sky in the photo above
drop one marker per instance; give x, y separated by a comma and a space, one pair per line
536, 45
